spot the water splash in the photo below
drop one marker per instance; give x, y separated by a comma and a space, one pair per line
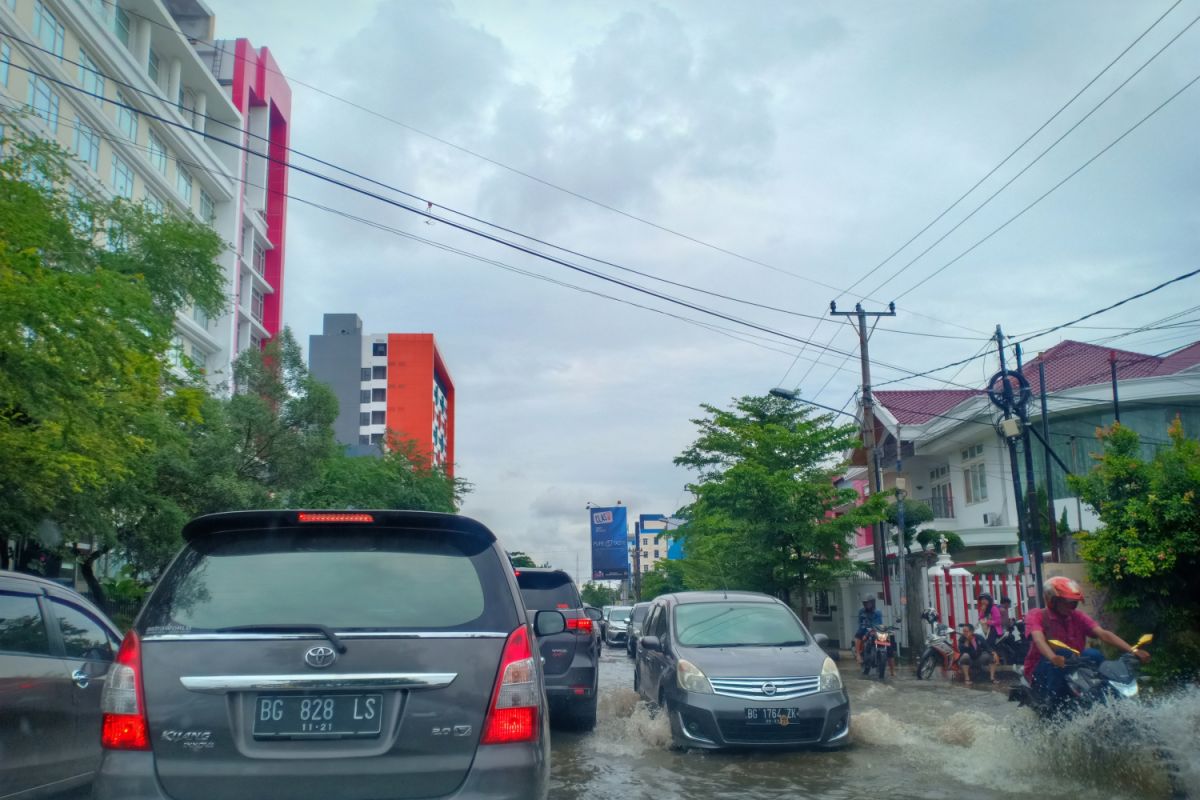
626, 723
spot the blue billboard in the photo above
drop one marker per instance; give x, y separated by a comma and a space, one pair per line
610, 545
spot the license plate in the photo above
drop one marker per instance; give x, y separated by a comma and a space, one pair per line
771, 716
328, 715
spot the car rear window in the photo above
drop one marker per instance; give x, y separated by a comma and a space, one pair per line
639, 613
737, 625
349, 580
544, 591
619, 614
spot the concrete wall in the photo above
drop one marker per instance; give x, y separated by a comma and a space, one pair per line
334, 357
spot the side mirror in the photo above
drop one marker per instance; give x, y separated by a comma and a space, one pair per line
594, 614
649, 643
548, 623
821, 639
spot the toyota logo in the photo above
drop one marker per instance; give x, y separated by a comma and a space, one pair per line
320, 657
768, 689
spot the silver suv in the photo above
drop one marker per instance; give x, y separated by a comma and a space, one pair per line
319, 654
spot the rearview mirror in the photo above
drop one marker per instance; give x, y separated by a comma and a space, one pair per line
548, 623
649, 643
594, 614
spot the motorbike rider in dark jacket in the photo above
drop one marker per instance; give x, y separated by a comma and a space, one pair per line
868, 618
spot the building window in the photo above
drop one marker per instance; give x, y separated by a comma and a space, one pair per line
122, 178
259, 261
200, 317
364, 438
376, 438
99, 7
820, 605
44, 102
89, 76
175, 354
656, 554
154, 204
152, 67
379, 349
974, 474
256, 341
5, 60
48, 30
364, 396
256, 304
378, 417
183, 182
121, 26
87, 145
157, 152
941, 497
364, 419
379, 373
208, 209
126, 118
379, 395
365, 374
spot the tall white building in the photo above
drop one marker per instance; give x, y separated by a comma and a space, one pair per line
135, 52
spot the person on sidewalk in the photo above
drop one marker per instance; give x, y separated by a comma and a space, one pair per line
972, 653
991, 628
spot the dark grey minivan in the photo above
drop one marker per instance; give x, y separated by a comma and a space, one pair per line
739, 669
361, 655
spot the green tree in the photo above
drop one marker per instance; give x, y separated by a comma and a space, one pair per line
597, 594
767, 515
519, 559
666, 577
916, 514
89, 291
1147, 549
397, 479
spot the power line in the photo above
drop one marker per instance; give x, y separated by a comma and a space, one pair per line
549, 184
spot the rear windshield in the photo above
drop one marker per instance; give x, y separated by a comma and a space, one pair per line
639, 613
737, 625
348, 580
619, 614
544, 591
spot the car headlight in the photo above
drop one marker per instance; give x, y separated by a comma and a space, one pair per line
691, 679
831, 679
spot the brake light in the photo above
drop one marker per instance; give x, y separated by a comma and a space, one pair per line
580, 626
516, 703
307, 516
123, 702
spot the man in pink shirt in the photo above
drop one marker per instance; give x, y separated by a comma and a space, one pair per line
1061, 619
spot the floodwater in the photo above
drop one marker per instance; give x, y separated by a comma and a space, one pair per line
911, 739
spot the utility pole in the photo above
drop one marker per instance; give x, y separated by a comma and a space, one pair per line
1010, 434
1049, 453
868, 425
636, 581
902, 550
1112, 363
1034, 513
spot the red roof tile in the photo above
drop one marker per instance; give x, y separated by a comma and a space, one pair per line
916, 407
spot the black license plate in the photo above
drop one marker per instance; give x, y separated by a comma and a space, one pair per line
317, 715
771, 716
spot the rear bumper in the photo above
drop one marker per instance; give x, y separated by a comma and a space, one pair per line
615, 636
708, 721
499, 772
577, 684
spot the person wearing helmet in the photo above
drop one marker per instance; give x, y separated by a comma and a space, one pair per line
868, 618
1061, 619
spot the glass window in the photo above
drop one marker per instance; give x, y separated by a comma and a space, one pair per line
157, 152
43, 102
200, 317
175, 353
99, 7
351, 579
121, 26
975, 481
5, 60
154, 204
87, 145
546, 591
90, 77
718, 624
208, 209
379, 373
21, 627
256, 304
379, 349
152, 67
83, 636
378, 417
48, 30
364, 418
127, 119
259, 260
365, 374
364, 396
364, 439
122, 178
183, 183
376, 438
379, 395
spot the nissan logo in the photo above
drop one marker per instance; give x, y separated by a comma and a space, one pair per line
320, 657
768, 689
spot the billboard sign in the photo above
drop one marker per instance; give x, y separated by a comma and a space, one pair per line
610, 543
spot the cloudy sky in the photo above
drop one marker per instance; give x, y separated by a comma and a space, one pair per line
810, 138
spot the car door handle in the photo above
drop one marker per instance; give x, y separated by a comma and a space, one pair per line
81, 678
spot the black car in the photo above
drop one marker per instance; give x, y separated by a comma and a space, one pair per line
56, 650
739, 669
572, 657
320, 654
637, 618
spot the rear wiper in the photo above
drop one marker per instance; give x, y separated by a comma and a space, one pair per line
287, 627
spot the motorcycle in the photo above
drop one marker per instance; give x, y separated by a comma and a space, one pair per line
1013, 646
938, 646
1088, 683
877, 649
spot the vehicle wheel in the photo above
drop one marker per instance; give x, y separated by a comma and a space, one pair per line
629, 651
678, 742
637, 681
881, 663
927, 666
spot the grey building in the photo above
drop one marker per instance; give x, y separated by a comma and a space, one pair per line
335, 358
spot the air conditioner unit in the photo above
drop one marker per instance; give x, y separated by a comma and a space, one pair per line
993, 520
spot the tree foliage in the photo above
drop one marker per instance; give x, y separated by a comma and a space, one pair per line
916, 514
667, 577
597, 594
1147, 550
767, 515
520, 559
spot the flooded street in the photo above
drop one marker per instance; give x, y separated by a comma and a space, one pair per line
912, 739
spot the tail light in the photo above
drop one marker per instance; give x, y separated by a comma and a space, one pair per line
581, 626
516, 703
123, 701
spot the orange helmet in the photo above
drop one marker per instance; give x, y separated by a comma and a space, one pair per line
1064, 587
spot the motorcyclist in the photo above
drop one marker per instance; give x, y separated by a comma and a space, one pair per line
868, 618
1061, 619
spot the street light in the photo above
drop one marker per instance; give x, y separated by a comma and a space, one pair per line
794, 396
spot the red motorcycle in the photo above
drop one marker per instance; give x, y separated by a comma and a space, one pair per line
878, 649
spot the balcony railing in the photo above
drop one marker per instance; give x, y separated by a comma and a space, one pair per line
942, 506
